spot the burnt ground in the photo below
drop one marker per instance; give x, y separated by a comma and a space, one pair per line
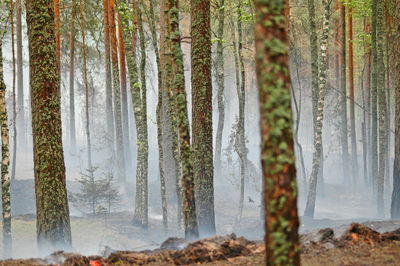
358, 245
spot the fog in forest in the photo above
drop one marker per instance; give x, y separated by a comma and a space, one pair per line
110, 226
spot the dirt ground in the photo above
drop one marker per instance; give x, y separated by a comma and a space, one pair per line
358, 245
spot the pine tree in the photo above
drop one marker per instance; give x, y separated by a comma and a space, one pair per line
72, 131
5, 162
203, 168
52, 212
310, 206
278, 162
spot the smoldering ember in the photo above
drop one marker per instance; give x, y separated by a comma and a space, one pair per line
189, 132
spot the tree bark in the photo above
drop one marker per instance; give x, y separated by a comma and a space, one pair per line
117, 95
381, 107
279, 175
20, 75
220, 84
343, 99
72, 131
5, 153
374, 86
354, 156
89, 146
203, 167
158, 112
312, 192
52, 212
109, 105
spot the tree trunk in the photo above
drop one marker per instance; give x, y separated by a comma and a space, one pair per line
354, 159
20, 75
203, 167
241, 140
72, 131
158, 112
52, 212
124, 101
343, 99
312, 192
175, 84
117, 94
280, 197
89, 146
5, 154
109, 106
374, 86
220, 84
141, 204
367, 106
395, 206
381, 107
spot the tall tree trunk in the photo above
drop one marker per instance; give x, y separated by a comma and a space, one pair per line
52, 212
352, 111
343, 99
117, 94
124, 101
241, 140
109, 105
312, 192
14, 100
367, 106
175, 83
280, 219
89, 146
203, 167
20, 75
5, 148
72, 130
374, 103
381, 107
158, 112
395, 206
141, 204
220, 84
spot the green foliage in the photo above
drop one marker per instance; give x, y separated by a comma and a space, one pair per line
94, 192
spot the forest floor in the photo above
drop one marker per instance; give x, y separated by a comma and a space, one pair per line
358, 244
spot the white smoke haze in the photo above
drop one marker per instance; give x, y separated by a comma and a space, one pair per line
336, 202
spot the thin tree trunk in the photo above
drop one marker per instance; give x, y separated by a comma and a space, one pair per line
352, 111
203, 165
220, 84
14, 100
241, 140
312, 192
141, 204
20, 77
52, 212
381, 108
343, 99
374, 86
72, 130
367, 106
158, 113
117, 95
109, 105
280, 219
124, 101
89, 146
